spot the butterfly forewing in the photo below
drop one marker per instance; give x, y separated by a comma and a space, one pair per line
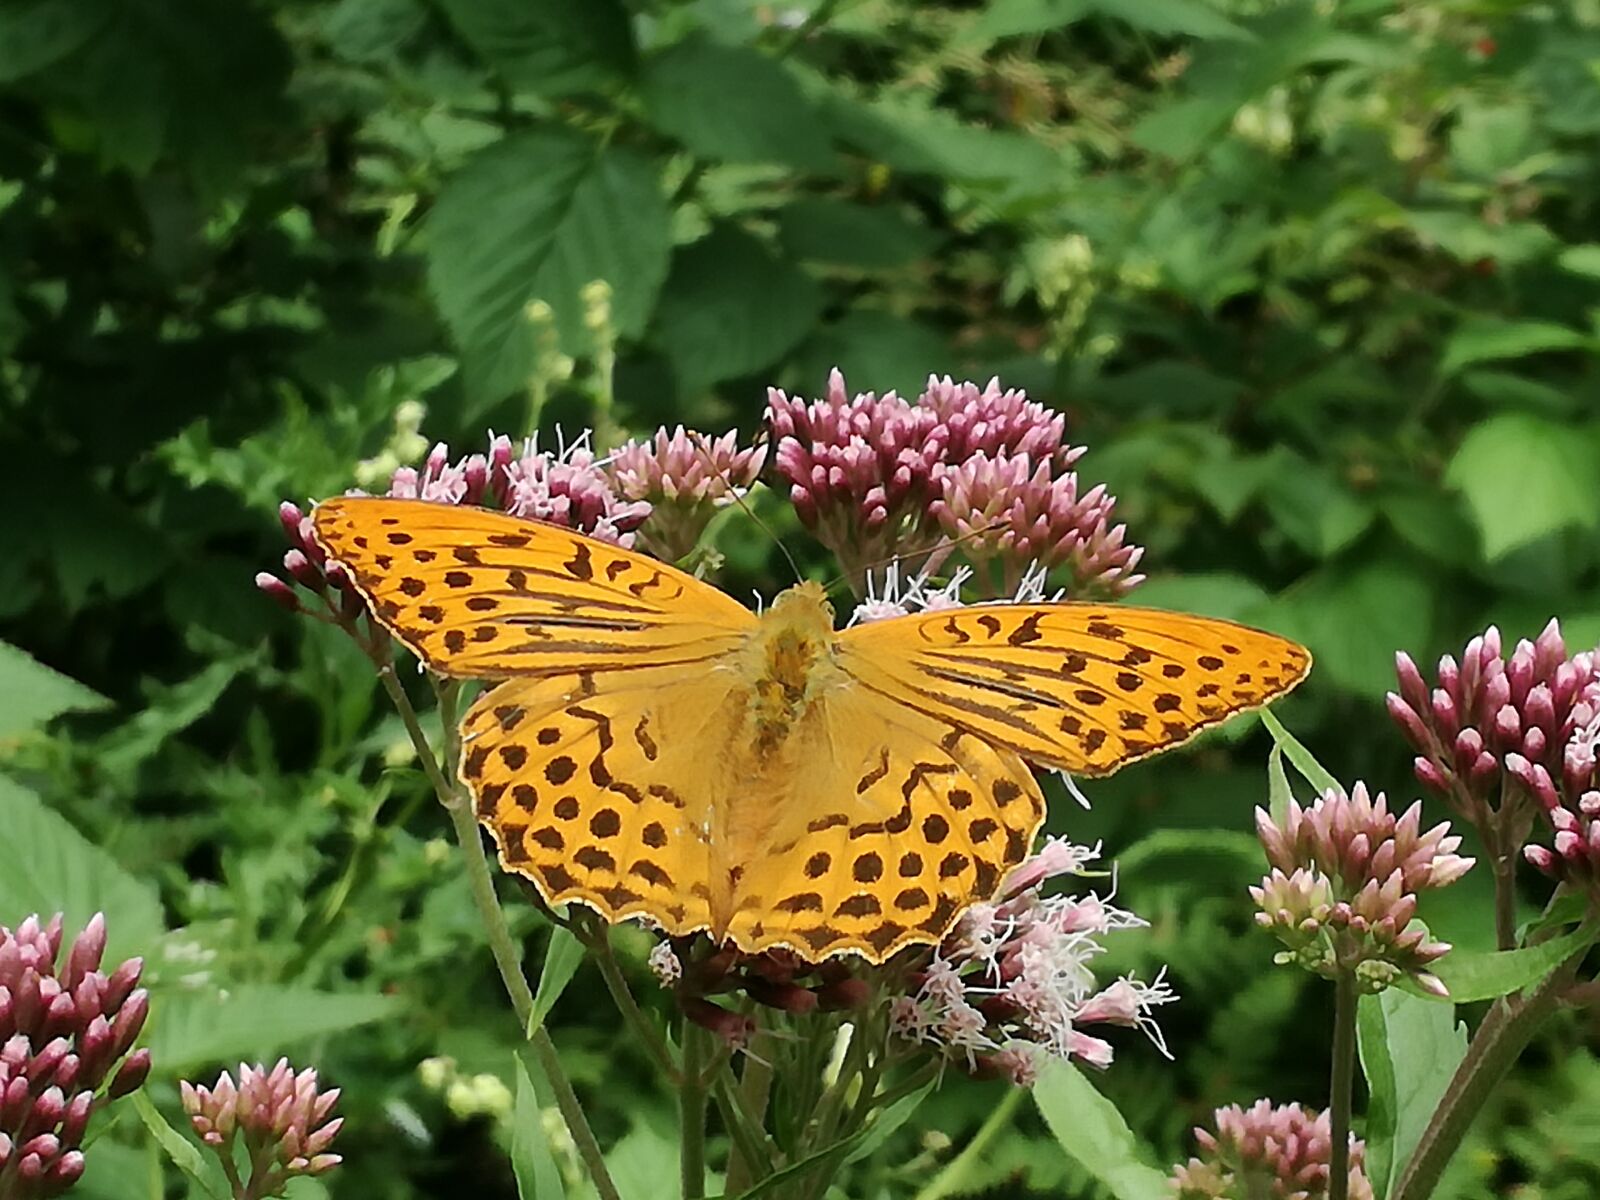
1081, 687
480, 594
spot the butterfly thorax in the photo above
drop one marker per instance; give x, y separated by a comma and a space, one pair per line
789, 663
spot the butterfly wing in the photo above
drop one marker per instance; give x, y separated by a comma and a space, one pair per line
598, 788
480, 594
1085, 688
886, 824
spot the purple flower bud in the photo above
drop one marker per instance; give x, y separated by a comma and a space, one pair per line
131, 1075
87, 950
1445, 715
1412, 688
277, 590
1403, 715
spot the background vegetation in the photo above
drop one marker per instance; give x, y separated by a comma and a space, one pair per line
1315, 282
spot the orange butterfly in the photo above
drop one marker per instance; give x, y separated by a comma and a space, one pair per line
654, 749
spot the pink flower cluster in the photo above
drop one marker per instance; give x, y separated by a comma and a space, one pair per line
685, 477
280, 1117
1343, 888
1012, 985
1281, 1152
875, 477
64, 1030
1496, 736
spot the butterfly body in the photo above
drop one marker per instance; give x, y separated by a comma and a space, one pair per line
654, 750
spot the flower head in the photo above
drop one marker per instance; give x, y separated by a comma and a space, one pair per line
281, 1117
66, 1048
685, 477
1012, 983
1265, 1150
1343, 888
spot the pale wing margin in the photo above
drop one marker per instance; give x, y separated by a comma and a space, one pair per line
1085, 688
480, 594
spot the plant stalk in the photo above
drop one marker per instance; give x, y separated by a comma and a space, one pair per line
1342, 1086
692, 1113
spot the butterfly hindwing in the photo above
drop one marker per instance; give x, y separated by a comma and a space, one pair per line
480, 594
1085, 688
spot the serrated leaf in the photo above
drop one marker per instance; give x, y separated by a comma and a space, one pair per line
705, 94
1353, 616
1092, 1132
533, 1161
185, 1155
1486, 339
194, 1029
563, 955
548, 47
1409, 1050
1315, 510
1524, 478
729, 308
1470, 975
536, 217
47, 866
32, 694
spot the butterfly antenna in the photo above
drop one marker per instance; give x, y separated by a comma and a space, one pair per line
937, 554
738, 498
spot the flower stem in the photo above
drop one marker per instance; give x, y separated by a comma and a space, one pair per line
507, 957
953, 1179
1500, 1040
1342, 1087
594, 937
692, 1113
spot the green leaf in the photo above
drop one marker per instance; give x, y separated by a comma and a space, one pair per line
1317, 775
886, 1120
185, 1155
562, 958
1353, 616
1524, 478
1092, 1132
533, 1161
1317, 512
729, 308
875, 350
866, 237
1409, 1050
193, 1029
1007, 18
548, 47
538, 216
1483, 976
1155, 851
1486, 339
1279, 793
1581, 260
705, 94
34, 35
32, 694
47, 866
1206, 593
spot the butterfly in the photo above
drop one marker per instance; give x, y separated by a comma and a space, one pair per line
653, 749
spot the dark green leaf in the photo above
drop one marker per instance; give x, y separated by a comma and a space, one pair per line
730, 308
1483, 976
36, 33
852, 235
185, 1155
32, 694
1209, 594
876, 351
533, 1161
1093, 1133
1485, 339
193, 1029
1316, 510
1409, 1050
1354, 617
548, 47
536, 217
733, 103
563, 955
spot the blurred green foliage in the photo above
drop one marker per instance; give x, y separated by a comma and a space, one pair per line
1317, 283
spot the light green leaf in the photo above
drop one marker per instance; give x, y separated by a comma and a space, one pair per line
866, 237
1007, 18
1486, 339
532, 1160
1525, 477
185, 1155
47, 866
536, 217
1409, 1050
1092, 1131
1279, 793
562, 957
193, 1029
1317, 511
733, 103
729, 308
1581, 260
886, 1121
1483, 976
34, 35
1317, 775
32, 694
1353, 616
549, 47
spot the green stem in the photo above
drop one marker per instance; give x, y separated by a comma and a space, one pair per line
507, 956
1342, 1088
750, 1101
751, 1156
954, 1176
692, 1113
1500, 1040
598, 943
